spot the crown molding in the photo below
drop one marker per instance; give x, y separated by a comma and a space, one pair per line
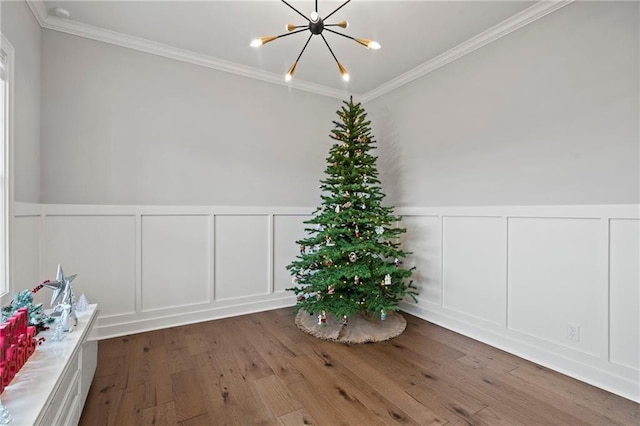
39, 10
494, 33
55, 23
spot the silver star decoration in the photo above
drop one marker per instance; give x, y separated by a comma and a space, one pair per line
61, 286
56, 286
63, 294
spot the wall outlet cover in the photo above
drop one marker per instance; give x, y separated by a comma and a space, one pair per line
573, 331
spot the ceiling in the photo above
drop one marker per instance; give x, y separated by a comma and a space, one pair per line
218, 33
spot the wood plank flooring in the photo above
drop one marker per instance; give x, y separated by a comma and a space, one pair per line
260, 369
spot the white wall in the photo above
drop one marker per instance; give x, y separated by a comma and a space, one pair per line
20, 27
548, 114
124, 127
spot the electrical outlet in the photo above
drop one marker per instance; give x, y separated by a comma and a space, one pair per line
573, 331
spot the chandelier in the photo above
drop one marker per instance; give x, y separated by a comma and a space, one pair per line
316, 25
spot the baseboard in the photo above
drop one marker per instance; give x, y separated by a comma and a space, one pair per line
591, 374
160, 321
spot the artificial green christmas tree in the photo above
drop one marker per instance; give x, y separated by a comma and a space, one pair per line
351, 260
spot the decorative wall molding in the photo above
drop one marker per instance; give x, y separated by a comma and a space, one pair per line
161, 266
589, 211
509, 25
514, 277
510, 276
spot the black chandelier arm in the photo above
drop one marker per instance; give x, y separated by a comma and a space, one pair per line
366, 43
316, 6
297, 11
335, 32
329, 47
292, 32
332, 25
303, 48
339, 7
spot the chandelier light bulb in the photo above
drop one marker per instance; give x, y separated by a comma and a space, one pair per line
292, 70
343, 72
314, 16
290, 27
262, 40
369, 44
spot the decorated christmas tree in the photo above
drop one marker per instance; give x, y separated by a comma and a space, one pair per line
351, 260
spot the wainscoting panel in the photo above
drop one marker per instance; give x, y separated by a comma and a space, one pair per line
176, 261
624, 276
25, 253
101, 250
286, 231
514, 277
151, 267
552, 265
553, 280
423, 239
474, 270
242, 256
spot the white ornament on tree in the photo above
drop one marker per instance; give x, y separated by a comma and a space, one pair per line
387, 279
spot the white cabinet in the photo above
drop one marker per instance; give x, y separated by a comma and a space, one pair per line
52, 386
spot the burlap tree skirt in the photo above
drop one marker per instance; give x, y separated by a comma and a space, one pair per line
360, 329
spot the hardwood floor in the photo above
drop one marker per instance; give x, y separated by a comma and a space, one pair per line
260, 369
